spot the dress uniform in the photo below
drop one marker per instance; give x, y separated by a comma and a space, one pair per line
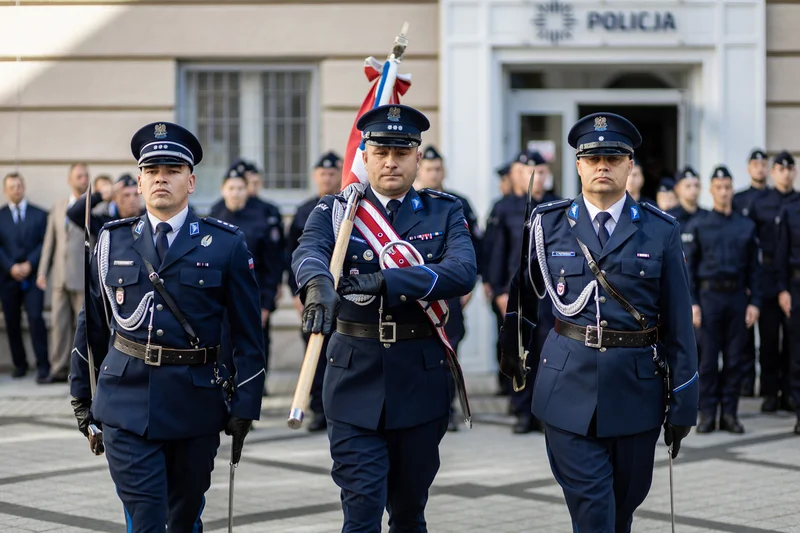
506, 252
386, 389
787, 266
161, 393
329, 160
722, 260
599, 390
774, 351
455, 327
679, 212
665, 195
743, 200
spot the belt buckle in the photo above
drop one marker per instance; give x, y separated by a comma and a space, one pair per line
594, 337
148, 356
387, 332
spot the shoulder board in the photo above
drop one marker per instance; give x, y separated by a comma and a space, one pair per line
439, 194
552, 206
120, 222
221, 224
666, 216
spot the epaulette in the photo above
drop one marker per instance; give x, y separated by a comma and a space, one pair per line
551, 206
120, 222
666, 216
440, 194
221, 224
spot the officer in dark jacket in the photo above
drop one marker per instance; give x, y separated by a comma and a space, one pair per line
276, 243
431, 175
598, 390
386, 388
665, 194
722, 261
787, 266
125, 203
687, 190
160, 396
327, 176
774, 351
506, 247
757, 168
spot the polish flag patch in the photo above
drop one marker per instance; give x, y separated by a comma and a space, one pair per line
250, 263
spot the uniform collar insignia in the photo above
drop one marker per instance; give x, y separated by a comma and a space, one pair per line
194, 228
573, 211
634, 212
139, 227
416, 203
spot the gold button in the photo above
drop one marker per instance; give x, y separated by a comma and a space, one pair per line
388, 317
603, 349
387, 345
120, 280
201, 282
331, 359
641, 272
159, 332
602, 299
603, 323
402, 297
159, 307
430, 256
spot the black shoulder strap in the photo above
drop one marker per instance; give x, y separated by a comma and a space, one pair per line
159, 285
601, 278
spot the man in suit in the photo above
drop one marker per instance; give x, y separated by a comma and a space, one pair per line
22, 229
386, 389
62, 257
623, 342
163, 395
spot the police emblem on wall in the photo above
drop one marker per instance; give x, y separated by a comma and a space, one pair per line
120, 294
554, 21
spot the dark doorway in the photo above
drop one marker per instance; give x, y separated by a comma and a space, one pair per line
658, 125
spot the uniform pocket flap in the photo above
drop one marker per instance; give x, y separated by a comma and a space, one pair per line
641, 268
340, 359
201, 277
555, 359
114, 364
122, 276
645, 367
203, 376
434, 357
566, 266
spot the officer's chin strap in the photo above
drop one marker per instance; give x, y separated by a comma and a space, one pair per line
139, 316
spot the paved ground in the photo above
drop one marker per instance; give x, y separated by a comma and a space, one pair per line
490, 481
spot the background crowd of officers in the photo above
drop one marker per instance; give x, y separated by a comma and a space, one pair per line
742, 257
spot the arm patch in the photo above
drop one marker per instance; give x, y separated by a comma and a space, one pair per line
220, 224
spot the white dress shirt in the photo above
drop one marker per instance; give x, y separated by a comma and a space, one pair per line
384, 200
176, 222
615, 211
18, 210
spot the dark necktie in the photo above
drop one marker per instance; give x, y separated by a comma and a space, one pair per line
392, 207
15, 212
602, 217
162, 244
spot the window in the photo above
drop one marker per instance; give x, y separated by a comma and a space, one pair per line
261, 114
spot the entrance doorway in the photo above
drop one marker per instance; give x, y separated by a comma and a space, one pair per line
658, 125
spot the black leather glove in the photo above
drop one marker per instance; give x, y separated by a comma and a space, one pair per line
87, 425
511, 364
238, 428
321, 304
363, 284
674, 435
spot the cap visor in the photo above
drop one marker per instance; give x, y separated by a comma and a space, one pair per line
603, 150
164, 160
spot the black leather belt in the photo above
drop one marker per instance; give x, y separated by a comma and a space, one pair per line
720, 285
600, 337
158, 355
387, 332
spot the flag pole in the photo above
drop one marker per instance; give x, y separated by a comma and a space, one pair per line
384, 91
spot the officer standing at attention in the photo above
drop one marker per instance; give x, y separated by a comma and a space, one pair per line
386, 390
722, 259
635, 183
327, 178
665, 195
165, 280
687, 189
431, 175
787, 266
774, 352
614, 270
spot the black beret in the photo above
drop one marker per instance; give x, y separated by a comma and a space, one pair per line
329, 160
687, 172
128, 180
757, 155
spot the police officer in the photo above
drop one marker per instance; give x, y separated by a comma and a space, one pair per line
687, 190
665, 195
614, 270
160, 396
506, 246
125, 202
635, 183
276, 242
431, 175
787, 266
386, 386
487, 260
327, 176
774, 351
722, 260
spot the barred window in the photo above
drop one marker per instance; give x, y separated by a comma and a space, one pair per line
260, 114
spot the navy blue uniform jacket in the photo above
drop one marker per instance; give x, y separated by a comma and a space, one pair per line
644, 260
409, 379
21, 242
172, 401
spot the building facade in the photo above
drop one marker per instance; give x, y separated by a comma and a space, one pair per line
280, 81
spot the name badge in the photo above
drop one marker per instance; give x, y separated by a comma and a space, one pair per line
562, 254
